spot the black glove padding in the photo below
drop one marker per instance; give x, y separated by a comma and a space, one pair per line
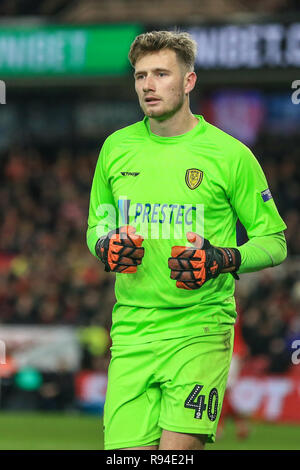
191, 267
121, 250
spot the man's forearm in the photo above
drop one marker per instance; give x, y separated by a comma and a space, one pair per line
91, 238
94, 233
100, 224
262, 252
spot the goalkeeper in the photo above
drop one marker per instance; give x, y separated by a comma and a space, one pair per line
172, 324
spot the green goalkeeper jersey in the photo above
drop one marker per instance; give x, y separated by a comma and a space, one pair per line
201, 181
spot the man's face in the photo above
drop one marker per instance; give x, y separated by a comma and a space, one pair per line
160, 84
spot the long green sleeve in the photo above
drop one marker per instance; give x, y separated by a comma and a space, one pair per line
102, 209
263, 252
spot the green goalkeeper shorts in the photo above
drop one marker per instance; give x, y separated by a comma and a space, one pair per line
174, 384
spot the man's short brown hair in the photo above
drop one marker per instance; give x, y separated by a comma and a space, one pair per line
180, 42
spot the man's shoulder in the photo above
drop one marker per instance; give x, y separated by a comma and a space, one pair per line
131, 131
235, 154
225, 141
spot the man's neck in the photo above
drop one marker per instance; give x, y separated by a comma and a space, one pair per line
178, 124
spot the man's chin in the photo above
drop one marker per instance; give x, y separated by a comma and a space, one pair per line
158, 114
154, 113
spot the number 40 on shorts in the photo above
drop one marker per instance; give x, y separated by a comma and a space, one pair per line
197, 402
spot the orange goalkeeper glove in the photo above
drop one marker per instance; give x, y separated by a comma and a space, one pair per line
121, 250
191, 267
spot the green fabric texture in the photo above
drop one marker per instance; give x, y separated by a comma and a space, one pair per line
263, 252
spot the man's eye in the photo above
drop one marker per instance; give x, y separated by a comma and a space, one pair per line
162, 74
139, 77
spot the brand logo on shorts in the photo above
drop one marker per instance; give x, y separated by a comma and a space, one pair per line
129, 173
193, 177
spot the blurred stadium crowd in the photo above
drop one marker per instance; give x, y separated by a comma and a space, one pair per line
142, 10
269, 305
44, 206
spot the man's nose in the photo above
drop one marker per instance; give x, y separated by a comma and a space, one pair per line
148, 84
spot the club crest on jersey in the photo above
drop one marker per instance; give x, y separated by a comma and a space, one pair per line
193, 177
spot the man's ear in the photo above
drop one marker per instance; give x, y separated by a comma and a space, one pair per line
189, 82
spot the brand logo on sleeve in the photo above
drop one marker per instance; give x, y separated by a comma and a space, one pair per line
266, 195
193, 177
129, 173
